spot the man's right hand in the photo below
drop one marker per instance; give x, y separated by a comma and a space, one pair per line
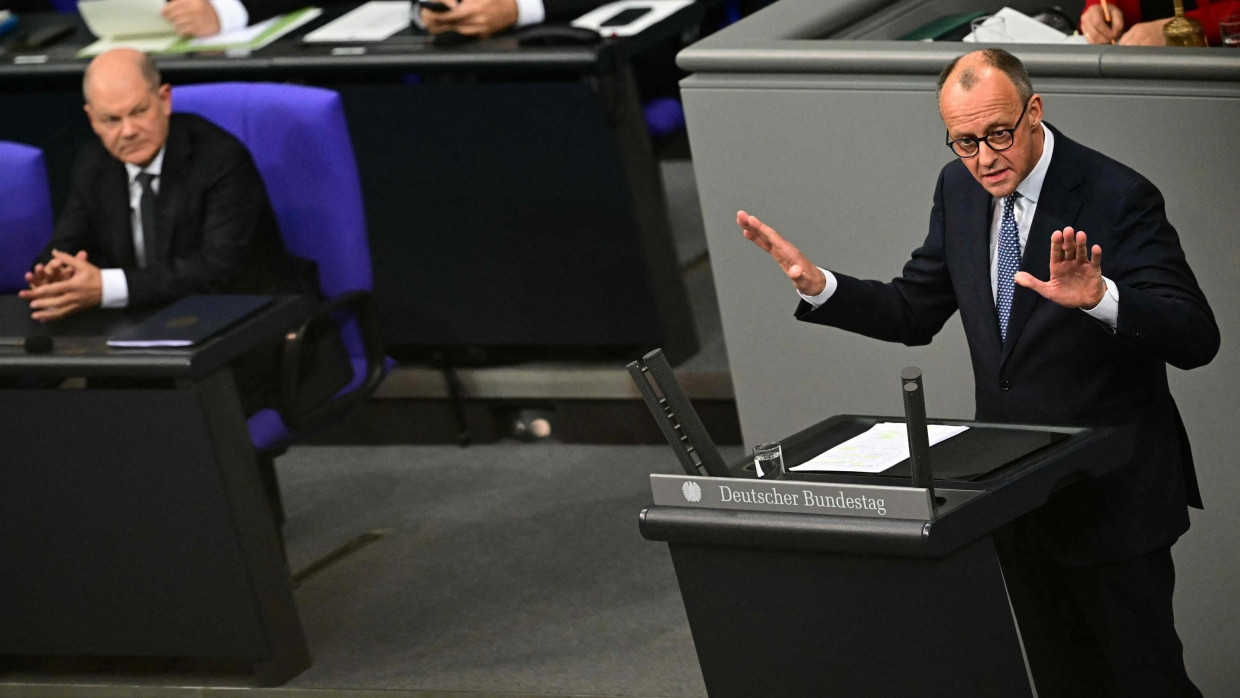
480, 18
192, 17
805, 275
1095, 27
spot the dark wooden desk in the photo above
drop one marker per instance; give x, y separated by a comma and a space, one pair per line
511, 192
132, 520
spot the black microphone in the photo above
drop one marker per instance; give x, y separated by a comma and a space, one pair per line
38, 343
918, 432
32, 344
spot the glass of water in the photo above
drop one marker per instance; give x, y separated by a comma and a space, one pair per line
1229, 31
990, 29
768, 461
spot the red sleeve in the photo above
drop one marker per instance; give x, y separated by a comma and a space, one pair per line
1210, 15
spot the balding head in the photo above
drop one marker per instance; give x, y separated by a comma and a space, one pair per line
128, 108
987, 103
965, 71
122, 64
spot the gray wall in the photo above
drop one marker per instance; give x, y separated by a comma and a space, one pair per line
844, 165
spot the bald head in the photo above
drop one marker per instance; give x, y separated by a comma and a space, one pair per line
123, 66
966, 72
129, 110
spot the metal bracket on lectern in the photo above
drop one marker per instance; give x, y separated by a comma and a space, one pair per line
676, 417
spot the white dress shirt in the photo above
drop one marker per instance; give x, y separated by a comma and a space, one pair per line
115, 285
1030, 190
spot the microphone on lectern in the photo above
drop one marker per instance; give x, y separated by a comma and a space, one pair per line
915, 425
32, 343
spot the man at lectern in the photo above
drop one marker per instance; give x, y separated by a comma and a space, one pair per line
1074, 294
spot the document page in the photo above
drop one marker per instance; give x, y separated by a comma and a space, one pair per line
110, 19
374, 21
884, 445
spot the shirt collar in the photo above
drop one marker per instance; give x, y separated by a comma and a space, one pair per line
1031, 187
156, 166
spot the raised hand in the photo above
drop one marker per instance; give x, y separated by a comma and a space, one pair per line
807, 277
1076, 272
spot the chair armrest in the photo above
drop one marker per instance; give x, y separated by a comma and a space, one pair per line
360, 305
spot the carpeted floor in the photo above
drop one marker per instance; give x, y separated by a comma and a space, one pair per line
505, 568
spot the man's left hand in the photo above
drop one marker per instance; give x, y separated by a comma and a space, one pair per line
481, 18
1145, 34
192, 17
81, 290
1076, 272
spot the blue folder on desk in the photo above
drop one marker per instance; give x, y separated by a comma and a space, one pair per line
191, 320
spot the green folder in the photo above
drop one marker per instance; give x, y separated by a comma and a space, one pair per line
932, 31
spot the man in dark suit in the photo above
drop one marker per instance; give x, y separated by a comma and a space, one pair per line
1058, 333
163, 205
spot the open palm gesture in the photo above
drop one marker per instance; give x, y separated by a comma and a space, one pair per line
1076, 272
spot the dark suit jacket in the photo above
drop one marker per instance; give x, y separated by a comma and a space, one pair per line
1060, 366
217, 232
557, 10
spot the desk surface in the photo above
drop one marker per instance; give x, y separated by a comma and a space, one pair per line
80, 343
409, 50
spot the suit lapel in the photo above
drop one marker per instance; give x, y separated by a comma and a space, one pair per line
116, 220
1058, 207
976, 267
173, 183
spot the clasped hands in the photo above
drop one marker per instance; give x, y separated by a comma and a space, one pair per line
1075, 268
67, 284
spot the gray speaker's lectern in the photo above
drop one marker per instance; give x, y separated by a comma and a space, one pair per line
831, 584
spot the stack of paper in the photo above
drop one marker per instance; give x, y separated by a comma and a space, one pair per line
1019, 28
876, 450
137, 24
374, 21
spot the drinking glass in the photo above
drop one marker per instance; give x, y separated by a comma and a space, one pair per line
989, 29
1229, 31
768, 461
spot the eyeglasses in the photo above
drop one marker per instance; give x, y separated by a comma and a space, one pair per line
1000, 140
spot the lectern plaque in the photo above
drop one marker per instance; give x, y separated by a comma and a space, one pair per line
791, 497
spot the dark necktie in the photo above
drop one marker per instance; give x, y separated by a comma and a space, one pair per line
146, 211
1009, 263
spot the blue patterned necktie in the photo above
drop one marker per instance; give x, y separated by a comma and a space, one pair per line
1009, 263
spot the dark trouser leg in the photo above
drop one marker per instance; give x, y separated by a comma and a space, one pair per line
1103, 630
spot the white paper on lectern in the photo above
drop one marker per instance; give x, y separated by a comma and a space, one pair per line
879, 448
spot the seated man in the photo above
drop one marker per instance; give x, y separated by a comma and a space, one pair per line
1126, 27
162, 206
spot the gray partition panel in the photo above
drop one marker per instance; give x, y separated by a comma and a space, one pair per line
837, 144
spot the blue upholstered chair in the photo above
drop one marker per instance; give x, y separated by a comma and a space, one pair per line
300, 143
65, 6
25, 212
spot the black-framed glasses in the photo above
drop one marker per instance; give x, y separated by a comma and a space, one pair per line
997, 141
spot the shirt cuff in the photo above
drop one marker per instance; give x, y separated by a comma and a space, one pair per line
1107, 309
827, 292
530, 12
115, 289
231, 14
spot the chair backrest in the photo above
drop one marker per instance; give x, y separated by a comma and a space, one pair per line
300, 142
25, 212
67, 7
